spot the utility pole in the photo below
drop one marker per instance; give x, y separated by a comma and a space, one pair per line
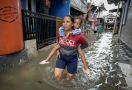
115, 24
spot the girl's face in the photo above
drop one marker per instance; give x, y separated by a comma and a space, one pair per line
77, 23
67, 23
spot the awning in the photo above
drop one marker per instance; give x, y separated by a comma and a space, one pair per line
78, 5
115, 10
114, 1
78, 9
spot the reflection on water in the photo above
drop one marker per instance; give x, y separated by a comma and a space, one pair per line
104, 59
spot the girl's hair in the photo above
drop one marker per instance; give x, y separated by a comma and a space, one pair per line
72, 19
79, 19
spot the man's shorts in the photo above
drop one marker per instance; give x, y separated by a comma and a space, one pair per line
69, 61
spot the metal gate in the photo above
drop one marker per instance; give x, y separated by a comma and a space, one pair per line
40, 27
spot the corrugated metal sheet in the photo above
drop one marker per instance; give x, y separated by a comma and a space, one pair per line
77, 4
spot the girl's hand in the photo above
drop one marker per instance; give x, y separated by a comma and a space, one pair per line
68, 34
86, 71
44, 62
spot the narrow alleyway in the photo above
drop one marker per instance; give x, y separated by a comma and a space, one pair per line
107, 59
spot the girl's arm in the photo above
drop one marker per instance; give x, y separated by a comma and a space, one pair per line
76, 31
83, 58
61, 31
56, 47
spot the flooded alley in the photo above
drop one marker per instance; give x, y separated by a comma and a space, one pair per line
29, 29
107, 58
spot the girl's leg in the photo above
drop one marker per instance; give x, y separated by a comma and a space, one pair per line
58, 73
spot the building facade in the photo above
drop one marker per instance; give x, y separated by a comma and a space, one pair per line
125, 24
109, 21
38, 20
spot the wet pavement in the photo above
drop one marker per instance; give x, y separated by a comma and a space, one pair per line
110, 63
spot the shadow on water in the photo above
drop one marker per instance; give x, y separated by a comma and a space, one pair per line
104, 58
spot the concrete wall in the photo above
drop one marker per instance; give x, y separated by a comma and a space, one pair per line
126, 31
10, 61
